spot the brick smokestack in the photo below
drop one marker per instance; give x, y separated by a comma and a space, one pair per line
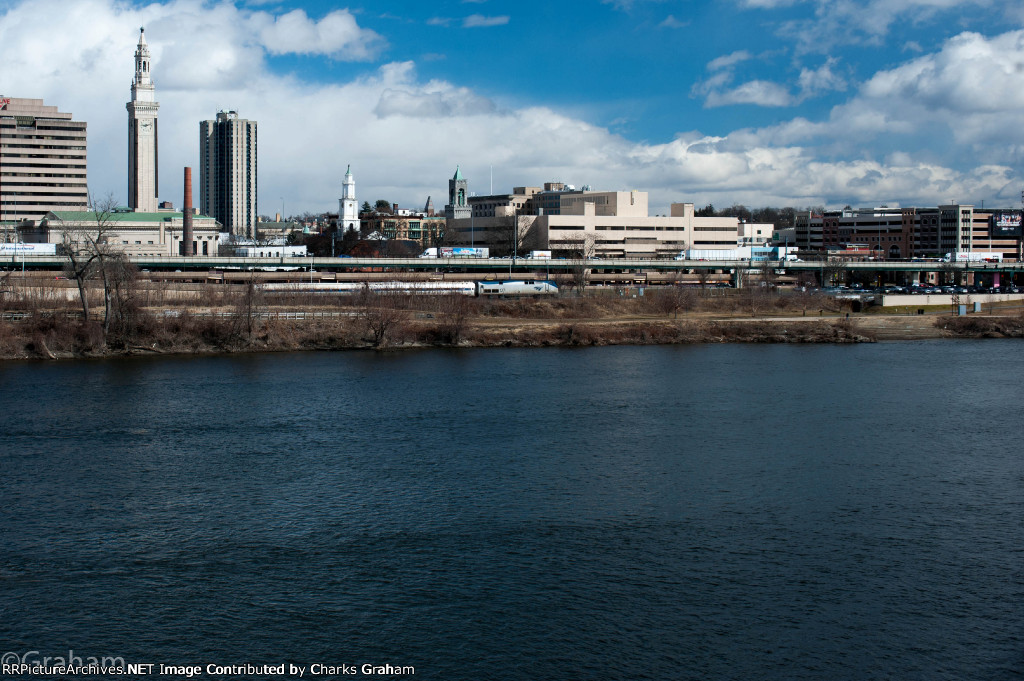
186, 217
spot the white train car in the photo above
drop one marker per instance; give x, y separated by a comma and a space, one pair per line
464, 288
526, 287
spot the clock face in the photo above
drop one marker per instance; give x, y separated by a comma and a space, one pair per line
146, 126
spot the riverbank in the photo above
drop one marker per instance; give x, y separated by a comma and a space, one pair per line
461, 323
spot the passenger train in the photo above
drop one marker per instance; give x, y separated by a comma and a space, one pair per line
484, 289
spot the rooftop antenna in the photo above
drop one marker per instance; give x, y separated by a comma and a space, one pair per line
492, 182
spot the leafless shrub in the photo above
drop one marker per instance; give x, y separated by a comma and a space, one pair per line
453, 311
383, 316
983, 327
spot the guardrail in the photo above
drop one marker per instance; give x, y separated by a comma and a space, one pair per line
520, 265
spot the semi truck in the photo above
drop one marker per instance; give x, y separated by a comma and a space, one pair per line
455, 252
539, 255
974, 256
741, 253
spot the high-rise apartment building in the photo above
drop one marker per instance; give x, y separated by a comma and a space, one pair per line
42, 160
227, 172
143, 186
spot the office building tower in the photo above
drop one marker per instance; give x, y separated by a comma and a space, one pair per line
227, 172
42, 160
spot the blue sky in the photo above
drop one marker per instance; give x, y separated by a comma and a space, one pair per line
760, 102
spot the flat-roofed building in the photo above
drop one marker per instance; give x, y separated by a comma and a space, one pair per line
227, 172
42, 160
132, 232
914, 232
607, 224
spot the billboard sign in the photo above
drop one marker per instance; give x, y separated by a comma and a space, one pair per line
1005, 225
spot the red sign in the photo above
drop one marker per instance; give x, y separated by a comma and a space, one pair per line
4, 102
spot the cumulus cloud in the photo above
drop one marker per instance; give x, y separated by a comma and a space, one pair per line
718, 89
403, 96
336, 35
970, 92
845, 22
404, 135
822, 79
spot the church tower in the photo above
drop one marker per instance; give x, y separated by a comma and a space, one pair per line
142, 138
348, 209
458, 198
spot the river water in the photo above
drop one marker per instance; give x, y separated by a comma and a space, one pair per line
694, 512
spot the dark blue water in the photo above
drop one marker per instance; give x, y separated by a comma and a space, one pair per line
707, 512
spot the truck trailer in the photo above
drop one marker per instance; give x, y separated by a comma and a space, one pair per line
974, 256
740, 253
455, 252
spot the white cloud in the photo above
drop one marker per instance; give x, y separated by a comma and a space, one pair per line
336, 35
671, 22
844, 22
729, 60
404, 136
480, 21
822, 79
437, 99
756, 92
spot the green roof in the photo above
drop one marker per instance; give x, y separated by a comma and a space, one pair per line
119, 216
458, 174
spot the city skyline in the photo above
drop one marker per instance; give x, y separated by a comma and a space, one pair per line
788, 103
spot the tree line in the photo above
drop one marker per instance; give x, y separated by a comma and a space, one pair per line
780, 217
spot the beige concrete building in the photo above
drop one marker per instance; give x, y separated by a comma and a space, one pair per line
604, 224
42, 160
227, 172
135, 233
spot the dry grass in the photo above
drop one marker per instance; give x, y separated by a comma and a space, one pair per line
982, 327
163, 321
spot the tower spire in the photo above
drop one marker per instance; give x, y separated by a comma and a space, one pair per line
143, 186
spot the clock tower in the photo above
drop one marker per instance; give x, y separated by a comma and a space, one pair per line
142, 137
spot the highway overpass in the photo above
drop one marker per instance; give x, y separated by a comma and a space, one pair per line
517, 268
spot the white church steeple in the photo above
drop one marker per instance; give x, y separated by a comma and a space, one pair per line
348, 208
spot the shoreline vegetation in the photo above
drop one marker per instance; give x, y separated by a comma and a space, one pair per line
49, 323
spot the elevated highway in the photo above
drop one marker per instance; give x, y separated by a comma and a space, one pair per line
518, 267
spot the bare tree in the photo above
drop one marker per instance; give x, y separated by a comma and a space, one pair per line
703, 276
833, 271
123, 308
579, 247
89, 249
513, 234
454, 310
248, 309
951, 273
382, 315
768, 275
